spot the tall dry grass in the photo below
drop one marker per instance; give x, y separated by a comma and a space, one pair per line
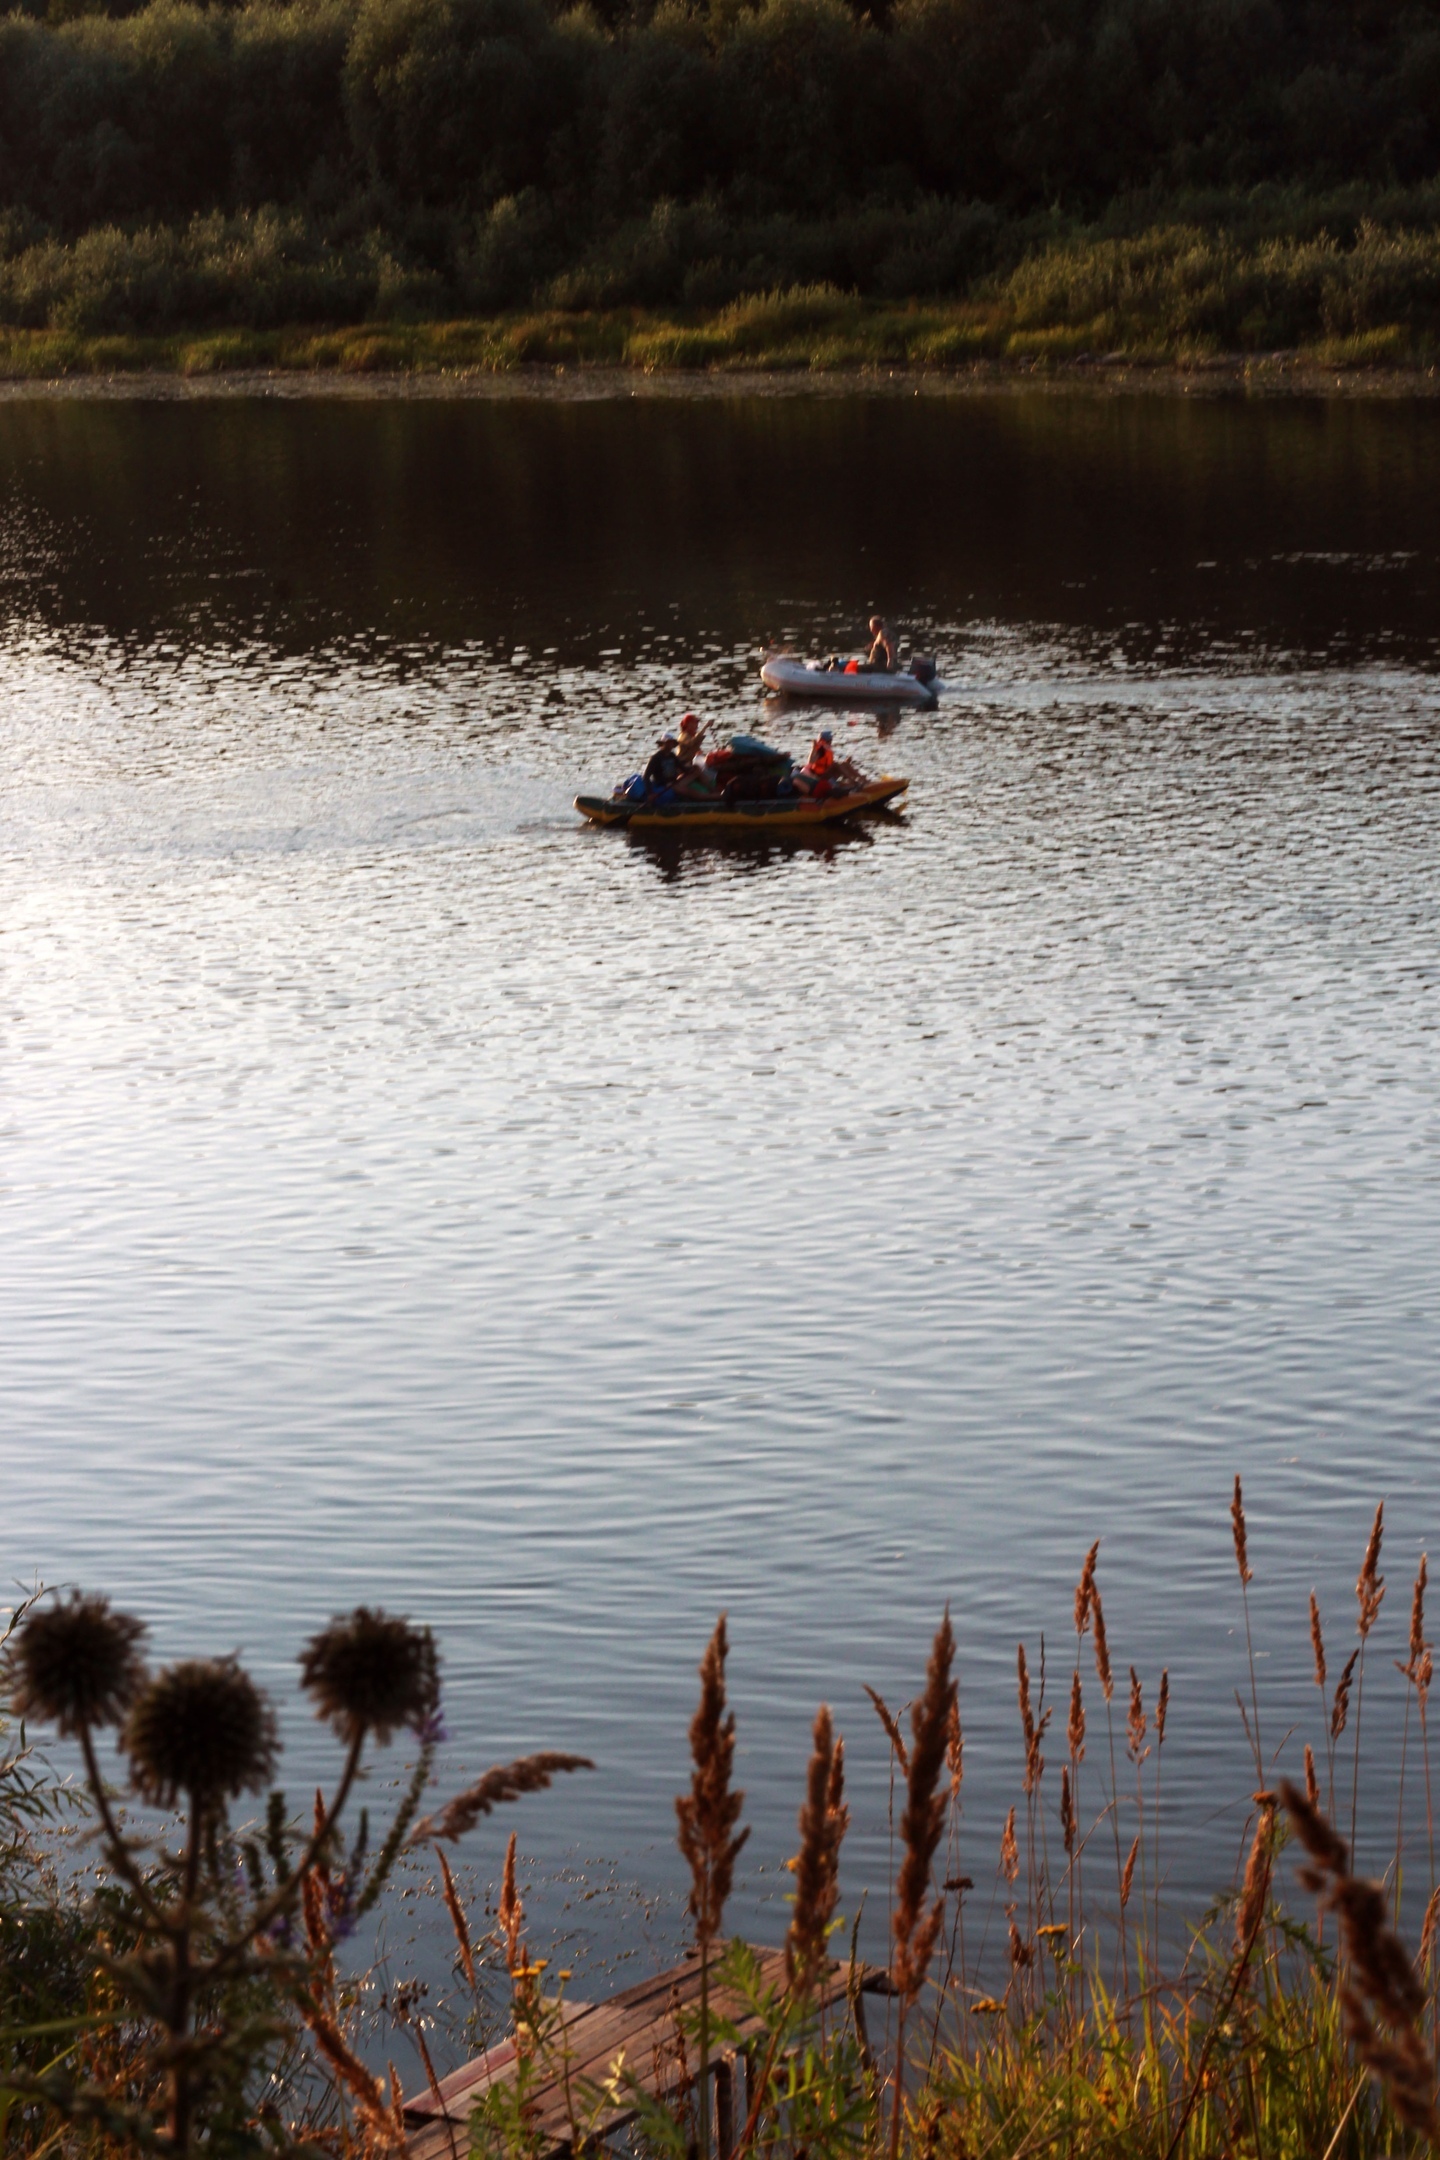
1082, 2018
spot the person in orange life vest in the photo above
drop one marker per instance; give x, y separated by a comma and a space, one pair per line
815, 775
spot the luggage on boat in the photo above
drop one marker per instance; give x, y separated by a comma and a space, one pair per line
751, 746
748, 770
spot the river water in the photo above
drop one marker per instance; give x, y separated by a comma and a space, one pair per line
407, 1194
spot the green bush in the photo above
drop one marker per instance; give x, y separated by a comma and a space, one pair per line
1226, 173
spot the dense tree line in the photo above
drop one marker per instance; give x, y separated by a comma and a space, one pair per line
493, 150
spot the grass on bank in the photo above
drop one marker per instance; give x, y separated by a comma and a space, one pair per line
1179, 296
198, 2005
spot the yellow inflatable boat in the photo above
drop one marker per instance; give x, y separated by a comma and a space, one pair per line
791, 813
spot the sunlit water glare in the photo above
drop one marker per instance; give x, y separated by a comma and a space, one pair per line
409, 1195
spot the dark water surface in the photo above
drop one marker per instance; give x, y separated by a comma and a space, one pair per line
406, 1194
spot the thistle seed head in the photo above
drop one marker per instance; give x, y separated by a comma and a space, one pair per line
76, 1664
371, 1673
201, 1728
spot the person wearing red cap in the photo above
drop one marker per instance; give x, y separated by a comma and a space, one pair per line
695, 777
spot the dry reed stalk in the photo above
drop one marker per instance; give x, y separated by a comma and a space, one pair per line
922, 1825
1085, 1589
708, 1813
433, 2079
1009, 1850
1237, 1527
1370, 1583
1027, 1720
511, 1913
1034, 1728
955, 1944
707, 1816
824, 1819
1247, 1576
1417, 1619
312, 1905
1070, 1837
1423, 1677
1128, 1875
1381, 1999
1252, 1899
1339, 1718
1322, 1673
382, 2118
1162, 1711
1312, 1783
955, 1752
1250, 1911
1102, 1646
1137, 1725
1107, 1689
892, 1731
432, 2075
923, 1820
1427, 1930
1084, 1600
524, 1975
1075, 1742
1369, 1595
315, 2000
1075, 1726
1411, 1670
458, 1920
506, 1781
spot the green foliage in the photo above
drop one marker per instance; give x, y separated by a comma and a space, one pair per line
46, 1943
332, 160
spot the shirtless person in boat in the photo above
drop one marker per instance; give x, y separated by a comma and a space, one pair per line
880, 660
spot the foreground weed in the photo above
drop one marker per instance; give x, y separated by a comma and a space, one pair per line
211, 1953
201, 1988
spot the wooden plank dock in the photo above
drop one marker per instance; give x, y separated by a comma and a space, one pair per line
639, 2025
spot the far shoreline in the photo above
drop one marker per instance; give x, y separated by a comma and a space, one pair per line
1271, 376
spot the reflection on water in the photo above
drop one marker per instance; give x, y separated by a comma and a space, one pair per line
410, 1194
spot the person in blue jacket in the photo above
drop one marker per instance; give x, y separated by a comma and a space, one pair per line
663, 769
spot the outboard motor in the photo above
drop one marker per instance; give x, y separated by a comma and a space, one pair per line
922, 669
